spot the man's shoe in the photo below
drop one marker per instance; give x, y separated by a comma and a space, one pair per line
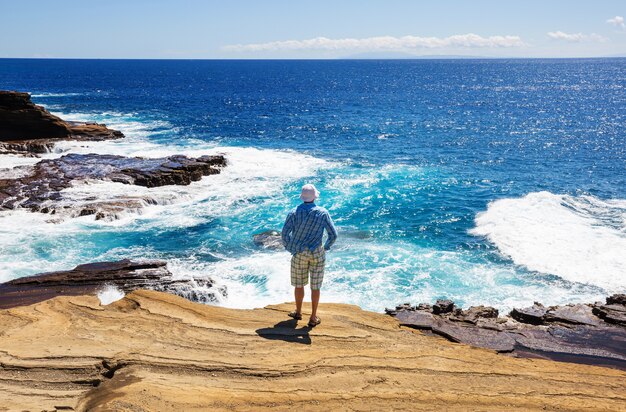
295, 315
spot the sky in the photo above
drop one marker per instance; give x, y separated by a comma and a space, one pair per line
281, 29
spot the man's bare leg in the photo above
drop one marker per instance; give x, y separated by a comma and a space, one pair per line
315, 299
299, 294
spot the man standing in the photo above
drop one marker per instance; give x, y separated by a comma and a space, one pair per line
302, 236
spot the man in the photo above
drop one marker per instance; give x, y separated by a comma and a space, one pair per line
302, 236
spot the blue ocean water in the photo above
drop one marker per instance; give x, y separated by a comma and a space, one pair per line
497, 182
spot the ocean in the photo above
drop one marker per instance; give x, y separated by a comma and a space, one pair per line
496, 182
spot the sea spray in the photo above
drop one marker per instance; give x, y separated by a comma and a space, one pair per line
109, 294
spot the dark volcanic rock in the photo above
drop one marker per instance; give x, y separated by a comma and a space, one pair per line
418, 319
89, 278
605, 341
574, 314
40, 190
619, 299
533, 314
270, 239
21, 119
475, 313
576, 333
443, 306
26, 127
484, 338
614, 313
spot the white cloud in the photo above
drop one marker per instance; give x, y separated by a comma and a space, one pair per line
575, 37
383, 43
617, 21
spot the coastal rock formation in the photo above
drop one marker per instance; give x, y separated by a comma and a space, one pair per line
126, 275
26, 127
155, 351
40, 190
592, 333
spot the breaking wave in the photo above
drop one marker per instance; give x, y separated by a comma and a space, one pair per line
579, 238
205, 228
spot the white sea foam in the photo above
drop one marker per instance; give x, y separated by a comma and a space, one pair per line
109, 294
252, 177
8, 161
380, 275
30, 242
579, 238
39, 95
250, 174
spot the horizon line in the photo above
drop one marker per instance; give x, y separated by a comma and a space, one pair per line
425, 57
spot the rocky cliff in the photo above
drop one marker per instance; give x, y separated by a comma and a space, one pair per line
26, 127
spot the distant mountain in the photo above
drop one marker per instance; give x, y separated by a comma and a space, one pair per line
404, 55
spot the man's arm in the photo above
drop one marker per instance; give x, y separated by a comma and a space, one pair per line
287, 229
332, 232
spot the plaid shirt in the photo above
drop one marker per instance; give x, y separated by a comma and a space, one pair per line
304, 228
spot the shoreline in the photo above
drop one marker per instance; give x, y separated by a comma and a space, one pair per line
589, 334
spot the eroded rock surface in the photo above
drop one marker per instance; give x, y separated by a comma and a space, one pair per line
28, 128
40, 190
593, 333
126, 275
152, 351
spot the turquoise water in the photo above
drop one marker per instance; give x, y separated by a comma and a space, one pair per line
496, 182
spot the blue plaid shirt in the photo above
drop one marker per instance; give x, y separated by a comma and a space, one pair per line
304, 228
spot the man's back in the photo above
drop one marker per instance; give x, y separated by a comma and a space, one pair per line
304, 228
302, 236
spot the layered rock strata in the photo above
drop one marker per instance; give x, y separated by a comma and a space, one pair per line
152, 351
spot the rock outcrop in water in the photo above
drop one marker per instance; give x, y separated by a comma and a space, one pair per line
593, 333
127, 275
152, 351
28, 128
269, 239
40, 189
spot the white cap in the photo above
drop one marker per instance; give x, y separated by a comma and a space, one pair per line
309, 193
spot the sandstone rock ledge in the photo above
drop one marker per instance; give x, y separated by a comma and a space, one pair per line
155, 351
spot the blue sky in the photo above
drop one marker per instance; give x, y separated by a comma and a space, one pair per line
310, 29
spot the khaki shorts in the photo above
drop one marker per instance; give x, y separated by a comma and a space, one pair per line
307, 263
